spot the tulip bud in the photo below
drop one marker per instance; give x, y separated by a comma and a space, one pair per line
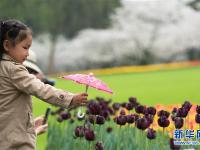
94, 108
133, 100
105, 114
140, 109
197, 118
151, 110
178, 122
121, 120
149, 118
174, 111
109, 129
163, 121
79, 131
198, 109
99, 146
187, 105
182, 112
65, 115
129, 106
142, 123
100, 120
130, 118
116, 106
89, 135
163, 113
151, 134
123, 104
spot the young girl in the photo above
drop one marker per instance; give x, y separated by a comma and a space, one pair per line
17, 85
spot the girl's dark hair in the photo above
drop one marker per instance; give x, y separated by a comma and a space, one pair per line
12, 30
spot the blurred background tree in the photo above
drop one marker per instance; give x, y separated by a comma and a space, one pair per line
195, 4
63, 17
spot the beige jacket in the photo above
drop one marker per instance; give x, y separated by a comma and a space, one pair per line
16, 121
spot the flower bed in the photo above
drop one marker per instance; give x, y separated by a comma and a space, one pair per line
135, 69
129, 125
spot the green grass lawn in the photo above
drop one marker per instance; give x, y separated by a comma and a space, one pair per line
150, 88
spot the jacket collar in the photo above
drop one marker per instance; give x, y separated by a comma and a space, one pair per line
7, 58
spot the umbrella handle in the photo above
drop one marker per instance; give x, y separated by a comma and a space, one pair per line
86, 89
81, 114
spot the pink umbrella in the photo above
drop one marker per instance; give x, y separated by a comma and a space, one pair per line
88, 80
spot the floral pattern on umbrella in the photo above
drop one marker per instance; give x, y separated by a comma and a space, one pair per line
90, 81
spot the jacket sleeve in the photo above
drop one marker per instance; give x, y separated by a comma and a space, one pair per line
29, 84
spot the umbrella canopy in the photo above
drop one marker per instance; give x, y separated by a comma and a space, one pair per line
89, 80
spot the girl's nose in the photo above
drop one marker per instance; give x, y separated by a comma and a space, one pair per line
27, 54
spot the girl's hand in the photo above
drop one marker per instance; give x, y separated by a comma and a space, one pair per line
79, 99
39, 127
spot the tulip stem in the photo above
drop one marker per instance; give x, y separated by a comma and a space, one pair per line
163, 131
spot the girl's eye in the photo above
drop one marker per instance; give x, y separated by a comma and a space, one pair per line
25, 47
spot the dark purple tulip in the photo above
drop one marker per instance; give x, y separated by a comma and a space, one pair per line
197, 118
163, 121
116, 106
111, 111
99, 146
109, 129
123, 104
182, 112
140, 109
65, 115
79, 131
149, 117
142, 123
122, 112
121, 120
130, 118
129, 106
151, 110
105, 114
151, 134
133, 100
94, 108
187, 105
89, 135
172, 146
100, 120
198, 109
178, 122
103, 105
163, 113
174, 111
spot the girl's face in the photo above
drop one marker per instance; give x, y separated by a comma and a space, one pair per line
21, 50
